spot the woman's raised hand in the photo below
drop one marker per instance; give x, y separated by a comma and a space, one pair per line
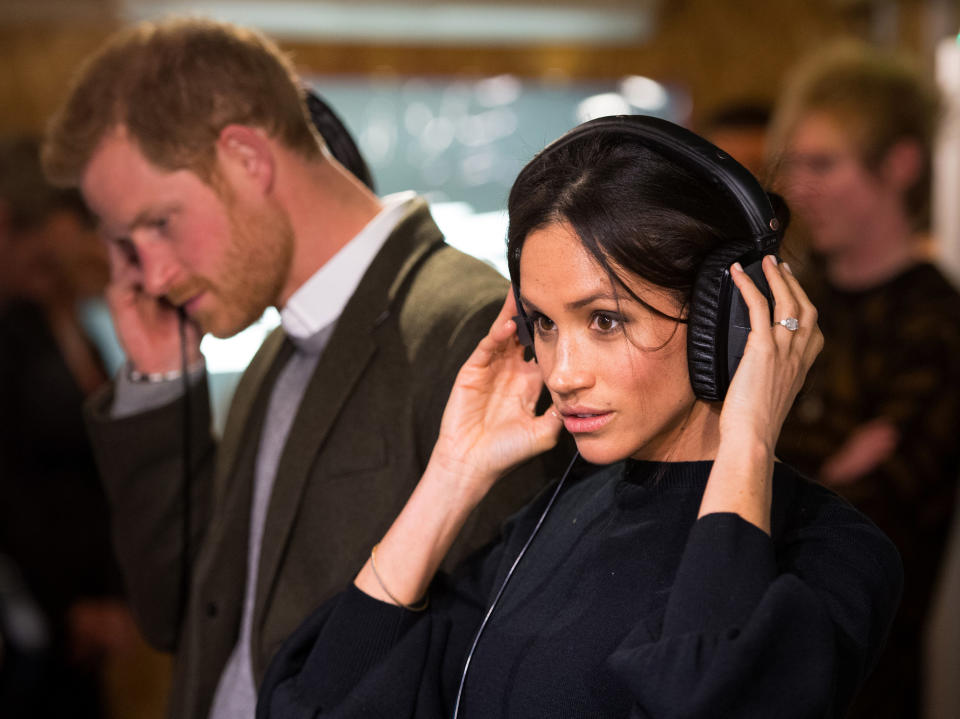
771, 372
776, 359
490, 424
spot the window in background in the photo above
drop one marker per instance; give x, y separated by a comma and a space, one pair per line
461, 142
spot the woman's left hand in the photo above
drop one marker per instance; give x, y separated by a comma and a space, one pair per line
771, 372
776, 359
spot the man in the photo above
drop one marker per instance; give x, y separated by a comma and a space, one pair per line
189, 140
879, 419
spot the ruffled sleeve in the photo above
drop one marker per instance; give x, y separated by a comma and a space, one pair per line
758, 628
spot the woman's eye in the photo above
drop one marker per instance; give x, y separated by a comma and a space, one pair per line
605, 321
543, 324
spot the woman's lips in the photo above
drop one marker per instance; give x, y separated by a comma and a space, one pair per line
581, 421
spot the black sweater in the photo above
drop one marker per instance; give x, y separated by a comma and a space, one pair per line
626, 605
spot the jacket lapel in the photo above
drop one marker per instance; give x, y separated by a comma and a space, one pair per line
237, 430
351, 347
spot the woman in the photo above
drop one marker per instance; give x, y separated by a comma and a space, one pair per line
679, 573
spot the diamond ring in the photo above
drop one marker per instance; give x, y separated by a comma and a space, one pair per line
790, 323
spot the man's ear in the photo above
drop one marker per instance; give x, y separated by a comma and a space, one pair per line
903, 165
245, 155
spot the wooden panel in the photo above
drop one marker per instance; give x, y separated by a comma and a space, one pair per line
38, 61
718, 50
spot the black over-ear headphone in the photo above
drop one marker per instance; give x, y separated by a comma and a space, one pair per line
718, 320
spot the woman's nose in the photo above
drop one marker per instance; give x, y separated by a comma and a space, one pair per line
569, 371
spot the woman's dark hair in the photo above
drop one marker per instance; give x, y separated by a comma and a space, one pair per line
634, 211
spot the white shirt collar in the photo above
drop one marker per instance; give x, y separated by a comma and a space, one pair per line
320, 300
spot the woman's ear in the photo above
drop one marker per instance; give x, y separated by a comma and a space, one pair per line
245, 155
903, 165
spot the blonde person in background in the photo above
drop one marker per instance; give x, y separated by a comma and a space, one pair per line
879, 418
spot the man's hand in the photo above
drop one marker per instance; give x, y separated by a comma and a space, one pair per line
99, 628
865, 449
148, 327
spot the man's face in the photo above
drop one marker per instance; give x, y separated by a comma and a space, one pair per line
222, 260
828, 186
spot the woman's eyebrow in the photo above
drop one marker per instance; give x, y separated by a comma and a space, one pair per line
527, 305
576, 304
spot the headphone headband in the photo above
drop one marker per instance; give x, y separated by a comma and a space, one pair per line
701, 158
718, 322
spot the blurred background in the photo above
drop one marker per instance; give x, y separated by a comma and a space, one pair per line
452, 97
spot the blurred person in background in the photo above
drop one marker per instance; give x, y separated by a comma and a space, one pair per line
740, 128
54, 522
878, 420
191, 142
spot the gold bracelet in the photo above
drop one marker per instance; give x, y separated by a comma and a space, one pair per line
409, 607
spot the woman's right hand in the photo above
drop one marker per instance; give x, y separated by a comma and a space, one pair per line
490, 424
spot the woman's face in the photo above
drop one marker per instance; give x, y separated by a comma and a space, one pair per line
617, 372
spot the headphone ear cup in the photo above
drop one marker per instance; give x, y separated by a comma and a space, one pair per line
707, 323
524, 327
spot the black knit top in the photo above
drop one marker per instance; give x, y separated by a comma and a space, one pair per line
626, 605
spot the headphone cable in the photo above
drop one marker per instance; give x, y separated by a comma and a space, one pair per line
503, 586
187, 473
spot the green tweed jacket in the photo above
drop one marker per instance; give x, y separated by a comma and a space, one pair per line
358, 444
